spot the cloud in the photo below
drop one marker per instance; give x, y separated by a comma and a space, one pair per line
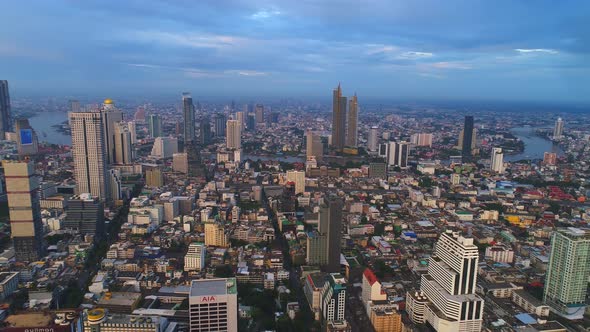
246, 72
415, 55
535, 50
379, 49
193, 40
265, 14
431, 75
450, 65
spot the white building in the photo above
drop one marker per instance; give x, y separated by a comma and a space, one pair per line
500, 253
164, 147
233, 134
449, 287
373, 139
194, 260
213, 305
497, 162
333, 298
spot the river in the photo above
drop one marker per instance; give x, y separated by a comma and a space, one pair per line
534, 146
43, 124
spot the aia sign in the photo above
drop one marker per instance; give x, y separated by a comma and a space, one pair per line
208, 299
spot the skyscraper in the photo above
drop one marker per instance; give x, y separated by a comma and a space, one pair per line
241, 119
220, 125
352, 132
251, 122
558, 130
234, 135
373, 139
447, 299
22, 187
314, 146
421, 139
566, 281
123, 148
155, 125
338, 119
132, 125
497, 161
205, 131
330, 224
5, 113
259, 114
89, 153
297, 177
397, 154
467, 138
27, 142
110, 116
188, 110
85, 215
213, 305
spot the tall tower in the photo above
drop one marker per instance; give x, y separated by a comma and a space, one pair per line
497, 162
110, 116
259, 114
188, 110
447, 299
234, 135
155, 125
467, 138
558, 130
373, 139
241, 118
205, 131
220, 125
5, 113
352, 132
566, 281
338, 119
89, 153
331, 225
397, 154
25, 211
123, 150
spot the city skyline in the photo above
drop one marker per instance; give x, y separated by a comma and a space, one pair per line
395, 50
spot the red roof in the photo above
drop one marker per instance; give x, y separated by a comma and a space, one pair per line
371, 278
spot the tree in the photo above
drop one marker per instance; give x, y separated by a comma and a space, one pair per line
223, 271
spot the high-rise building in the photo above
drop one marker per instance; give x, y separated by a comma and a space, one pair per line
194, 260
139, 115
558, 130
213, 305
550, 158
333, 298
114, 177
297, 177
497, 161
216, 235
205, 131
314, 146
421, 139
22, 187
234, 135
330, 224
180, 162
164, 147
188, 110
274, 117
338, 119
5, 112
85, 215
26, 138
241, 119
89, 153
132, 125
251, 122
373, 139
155, 125
154, 177
397, 154
352, 132
259, 114
220, 125
447, 299
110, 116
566, 281
466, 150
123, 146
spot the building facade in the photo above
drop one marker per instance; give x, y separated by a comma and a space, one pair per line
338, 119
213, 305
5, 111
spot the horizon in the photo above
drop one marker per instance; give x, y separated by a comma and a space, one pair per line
425, 50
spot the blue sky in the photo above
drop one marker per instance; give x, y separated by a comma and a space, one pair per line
497, 50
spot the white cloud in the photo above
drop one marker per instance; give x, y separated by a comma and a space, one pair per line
265, 14
194, 40
379, 48
415, 55
246, 72
450, 65
535, 50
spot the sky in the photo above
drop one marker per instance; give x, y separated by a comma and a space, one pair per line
421, 49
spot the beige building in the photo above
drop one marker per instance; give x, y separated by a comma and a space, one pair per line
154, 177
110, 116
297, 177
25, 210
123, 147
352, 123
89, 153
233, 134
388, 320
215, 235
180, 162
314, 146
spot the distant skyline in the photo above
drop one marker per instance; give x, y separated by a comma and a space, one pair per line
427, 50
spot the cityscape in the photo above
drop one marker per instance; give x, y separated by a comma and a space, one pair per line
207, 207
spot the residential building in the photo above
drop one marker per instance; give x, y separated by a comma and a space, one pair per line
298, 178
216, 235
234, 135
180, 162
194, 260
373, 139
333, 298
558, 129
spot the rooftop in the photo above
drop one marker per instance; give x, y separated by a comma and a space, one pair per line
213, 287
